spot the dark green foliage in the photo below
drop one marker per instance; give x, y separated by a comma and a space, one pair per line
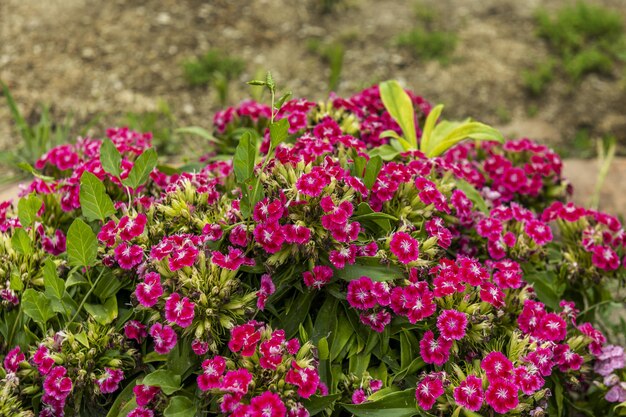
537, 79
161, 123
331, 54
214, 69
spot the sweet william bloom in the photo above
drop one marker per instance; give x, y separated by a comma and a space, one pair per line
359, 396
551, 327
604, 258
236, 382
339, 258
150, 290
312, 184
360, 295
232, 261
130, 228
56, 384
179, 310
109, 381
502, 395
489, 228
452, 324
270, 236
43, 360
295, 233
141, 412
376, 320
306, 379
496, 365
293, 346
212, 232
427, 392
413, 301
539, 232
108, 233
267, 211
164, 338
212, 371
13, 359
199, 347
267, 289
491, 294
528, 379
128, 256
267, 404
144, 394
404, 247
244, 338
135, 330
55, 245
184, 256
239, 236
542, 359
469, 393
435, 352
320, 276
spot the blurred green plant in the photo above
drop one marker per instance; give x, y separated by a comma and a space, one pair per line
161, 122
332, 54
214, 69
426, 40
583, 38
35, 138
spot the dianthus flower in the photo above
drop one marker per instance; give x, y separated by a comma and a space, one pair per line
179, 311
404, 247
150, 290
469, 393
164, 338
109, 380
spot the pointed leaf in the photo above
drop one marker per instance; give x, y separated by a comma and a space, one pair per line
429, 126
399, 105
168, 381
374, 165
94, 200
82, 246
55, 286
245, 158
103, 313
37, 306
180, 406
142, 168
21, 243
110, 158
198, 131
279, 131
396, 404
27, 209
471, 130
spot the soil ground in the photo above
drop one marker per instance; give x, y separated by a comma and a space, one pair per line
89, 57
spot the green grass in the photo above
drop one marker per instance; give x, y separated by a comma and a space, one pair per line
582, 39
214, 69
161, 123
332, 54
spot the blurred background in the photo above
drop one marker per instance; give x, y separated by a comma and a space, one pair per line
551, 70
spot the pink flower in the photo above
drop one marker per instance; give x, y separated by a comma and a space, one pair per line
183, 256
108, 232
13, 359
57, 385
43, 360
528, 379
376, 320
232, 261
239, 236
244, 338
489, 228
149, 291
339, 258
360, 294
109, 381
272, 350
502, 395
427, 392
539, 232
295, 233
199, 347
270, 236
359, 396
268, 212
469, 393
496, 365
551, 327
452, 324
130, 228
404, 247
491, 294
436, 352
55, 245
541, 358
236, 382
144, 394
212, 232
268, 404
212, 371
320, 276
414, 301
267, 289
429, 194
604, 258
179, 311
306, 379
141, 412
164, 338
312, 184
128, 256
135, 330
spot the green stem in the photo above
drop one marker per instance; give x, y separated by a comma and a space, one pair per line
82, 303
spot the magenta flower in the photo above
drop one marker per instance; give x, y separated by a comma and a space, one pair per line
502, 395
452, 324
320, 276
376, 320
130, 228
144, 394
267, 404
212, 371
404, 247
135, 330
212, 232
232, 261
360, 294
236, 382
56, 385
199, 347
179, 311
244, 339
109, 380
436, 352
295, 233
267, 211
128, 256
306, 379
267, 289
141, 412
312, 183
469, 393
496, 365
270, 236
13, 359
164, 338
43, 360
272, 350
150, 290
185, 255
359, 396
428, 390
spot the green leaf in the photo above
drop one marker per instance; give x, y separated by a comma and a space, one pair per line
472, 193
429, 126
82, 245
21, 243
473, 130
387, 152
245, 158
396, 404
37, 306
55, 286
168, 381
103, 313
547, 287
358, 166
370, 267
180, 406
198, 131
125, 397
142, 168
279, 131
16, 283
279, 103
25, 166
110, 158
316, 404
374, 165
399, 105
94, 200
27, 209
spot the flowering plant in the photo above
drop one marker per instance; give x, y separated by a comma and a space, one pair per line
336, 265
